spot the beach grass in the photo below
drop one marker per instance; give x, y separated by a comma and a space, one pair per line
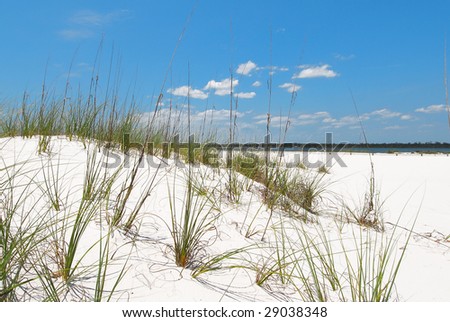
52, 207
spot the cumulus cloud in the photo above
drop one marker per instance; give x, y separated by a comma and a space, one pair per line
290, 87
247, 95
246, 68
309, 71
222, 87
431, 109
256, 84
187, 90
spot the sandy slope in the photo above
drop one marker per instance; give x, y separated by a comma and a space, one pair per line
408, 185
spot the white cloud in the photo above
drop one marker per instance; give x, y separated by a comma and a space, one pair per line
260, 117
256, 84
307, 119
87, 23
385, 113
349, 120
329, 120
222, 87
210, 114
314, 116
187, 90
217, 115
273, 69
315, 71
352, 121
247, 95
246, 68
93, 18
431, 109
274, 120
406, 117
222, 92
290, 87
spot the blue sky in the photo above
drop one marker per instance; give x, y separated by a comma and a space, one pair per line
388, 54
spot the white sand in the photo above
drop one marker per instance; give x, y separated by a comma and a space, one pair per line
409, 186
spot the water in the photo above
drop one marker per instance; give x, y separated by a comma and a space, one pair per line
400, 150
424, 150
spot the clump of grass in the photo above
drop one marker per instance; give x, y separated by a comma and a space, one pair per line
21, 233
189, 225
8, 122
308, 276
369, 273
370, 213
47, 126
283, 188
293, 192
44, 144
250, 166
307, 191
27, 120
86, 212
235, 188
